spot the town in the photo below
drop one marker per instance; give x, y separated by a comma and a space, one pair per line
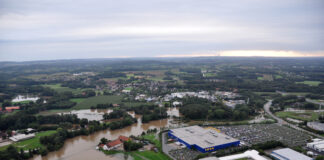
140, 111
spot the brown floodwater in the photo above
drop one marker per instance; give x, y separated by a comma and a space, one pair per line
83, 147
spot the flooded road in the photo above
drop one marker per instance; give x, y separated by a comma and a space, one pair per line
83, 147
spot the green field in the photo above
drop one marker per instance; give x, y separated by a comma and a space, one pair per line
77, 100
93, 101
307, 116
22, 102
128, 88
267, 77
278, 76
151, 155
60, 89
30, 143
310, 83
210, 74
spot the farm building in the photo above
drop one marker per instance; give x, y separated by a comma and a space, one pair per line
288, 154
204, 140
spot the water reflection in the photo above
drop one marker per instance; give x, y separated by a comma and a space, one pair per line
83, 147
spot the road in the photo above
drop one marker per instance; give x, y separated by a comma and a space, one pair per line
283, 122
165, 147
313, 101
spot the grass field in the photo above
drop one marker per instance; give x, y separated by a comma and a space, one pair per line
210, 74
278, 76
267, 77
128, 88
77, 100
151, 155
93, 101
31, 143
60, 89
22, 102
309, 116
310, 83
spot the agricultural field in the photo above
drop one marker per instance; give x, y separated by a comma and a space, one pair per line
60, 89
210, 74
31, 143
266, 77
77, 100
93, 101
310, 83
307, 116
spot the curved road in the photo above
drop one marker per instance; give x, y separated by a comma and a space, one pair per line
281, 121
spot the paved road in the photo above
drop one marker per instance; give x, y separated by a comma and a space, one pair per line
165, 147
315, 102
281, 121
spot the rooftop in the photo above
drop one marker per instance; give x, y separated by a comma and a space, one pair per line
287, 153
202, 137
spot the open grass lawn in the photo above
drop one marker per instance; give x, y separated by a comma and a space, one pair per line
151, 155
93, 101
300, 116
310, 83
31, 143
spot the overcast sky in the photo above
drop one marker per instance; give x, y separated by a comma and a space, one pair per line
71, 29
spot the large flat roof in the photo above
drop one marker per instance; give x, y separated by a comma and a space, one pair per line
290, 154
202, 137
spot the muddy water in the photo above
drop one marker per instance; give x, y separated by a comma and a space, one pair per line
83, 147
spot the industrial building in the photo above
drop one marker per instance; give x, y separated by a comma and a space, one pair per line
317, 145
288, 154
202, 139
250, 154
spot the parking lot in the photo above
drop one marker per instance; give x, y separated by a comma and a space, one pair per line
259, 133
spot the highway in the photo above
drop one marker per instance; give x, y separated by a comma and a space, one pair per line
283, 122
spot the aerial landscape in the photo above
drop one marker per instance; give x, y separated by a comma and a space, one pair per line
163, 80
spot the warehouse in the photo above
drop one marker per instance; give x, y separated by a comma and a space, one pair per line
288, 154
317, 145
204, 140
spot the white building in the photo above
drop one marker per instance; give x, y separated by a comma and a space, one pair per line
20, 137
317, 145
288, 154
176, 103
251, 154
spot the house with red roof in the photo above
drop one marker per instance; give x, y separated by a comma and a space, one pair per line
115, 143
10, 108
123, 138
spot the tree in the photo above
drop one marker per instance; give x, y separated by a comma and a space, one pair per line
103, 140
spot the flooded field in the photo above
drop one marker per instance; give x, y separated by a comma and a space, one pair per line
83, 147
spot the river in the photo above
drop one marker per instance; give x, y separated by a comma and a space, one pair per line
83, 147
